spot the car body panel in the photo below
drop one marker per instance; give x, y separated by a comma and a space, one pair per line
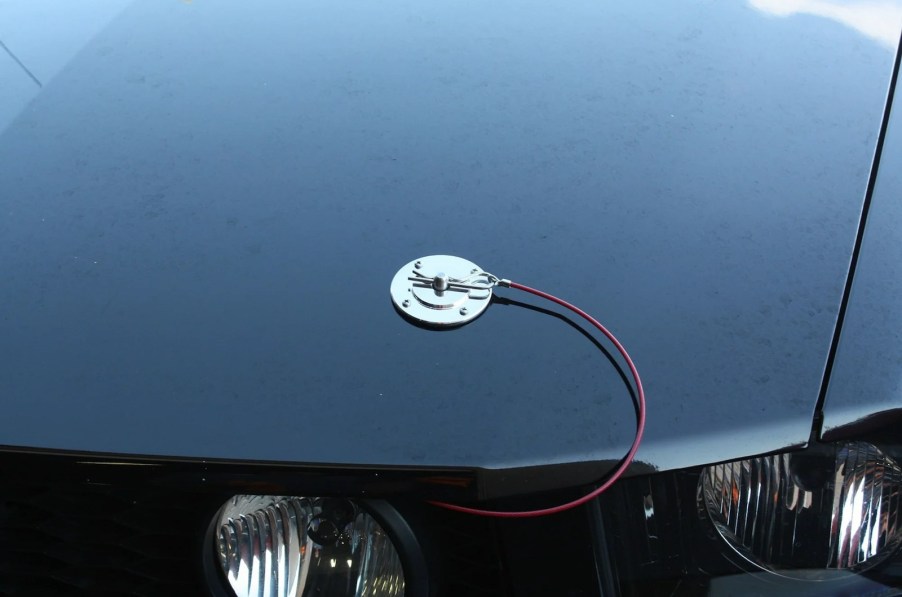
865, 389
202, 210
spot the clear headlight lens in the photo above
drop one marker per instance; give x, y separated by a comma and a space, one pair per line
798, 511
281, 546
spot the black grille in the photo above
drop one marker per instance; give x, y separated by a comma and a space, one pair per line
73, 528
471, 558
76, 539
73, 525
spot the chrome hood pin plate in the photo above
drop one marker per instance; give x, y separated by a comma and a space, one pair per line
442, 290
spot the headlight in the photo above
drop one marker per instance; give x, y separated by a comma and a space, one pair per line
820, 521
790, 512
292, 546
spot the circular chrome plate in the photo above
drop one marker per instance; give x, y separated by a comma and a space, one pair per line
437, 300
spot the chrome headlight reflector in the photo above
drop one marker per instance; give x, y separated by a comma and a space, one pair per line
281, 546
840, 510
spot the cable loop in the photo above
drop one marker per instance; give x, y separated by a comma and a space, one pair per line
640, 418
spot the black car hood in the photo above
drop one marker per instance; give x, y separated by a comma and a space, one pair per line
202, 210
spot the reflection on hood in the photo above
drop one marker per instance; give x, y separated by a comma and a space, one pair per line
880, 21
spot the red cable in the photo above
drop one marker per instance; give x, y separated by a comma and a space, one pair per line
618, 472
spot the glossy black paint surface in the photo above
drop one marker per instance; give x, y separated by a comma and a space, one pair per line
865, 391
201, 212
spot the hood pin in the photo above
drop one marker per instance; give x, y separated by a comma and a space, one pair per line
442, 291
